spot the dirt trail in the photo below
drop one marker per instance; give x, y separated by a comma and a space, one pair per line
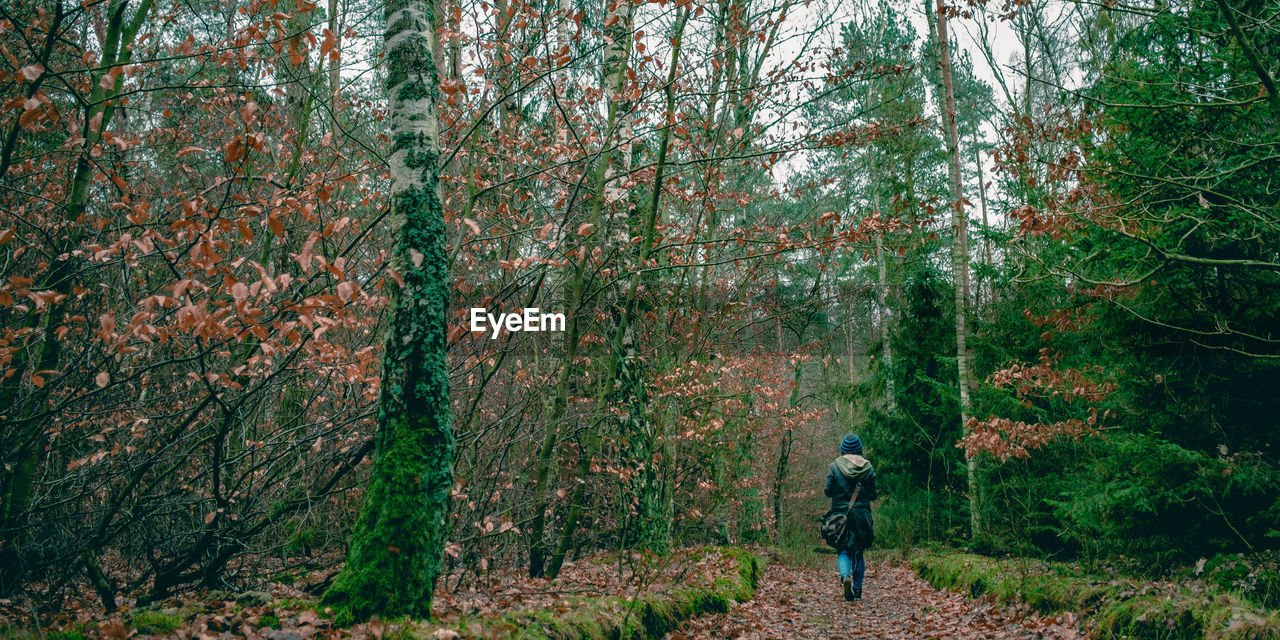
802, 602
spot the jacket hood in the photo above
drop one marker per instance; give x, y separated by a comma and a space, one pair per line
853, 466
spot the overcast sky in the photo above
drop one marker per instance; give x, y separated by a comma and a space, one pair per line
964, 33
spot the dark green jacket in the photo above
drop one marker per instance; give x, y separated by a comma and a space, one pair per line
842, 476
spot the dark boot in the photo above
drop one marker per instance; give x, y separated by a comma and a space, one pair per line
849, 593
857, 594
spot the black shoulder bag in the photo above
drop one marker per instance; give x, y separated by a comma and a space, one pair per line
835, 529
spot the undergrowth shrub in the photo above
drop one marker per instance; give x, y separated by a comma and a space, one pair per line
1145, 497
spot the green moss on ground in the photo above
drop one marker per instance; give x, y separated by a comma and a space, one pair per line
151, 622
1113, 607
15, 633
1255, 576
296, 604
81, 630
65, 635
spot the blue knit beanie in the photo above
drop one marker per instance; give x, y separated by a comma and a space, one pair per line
851, 444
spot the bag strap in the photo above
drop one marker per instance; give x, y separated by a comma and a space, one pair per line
852, 499
848, 514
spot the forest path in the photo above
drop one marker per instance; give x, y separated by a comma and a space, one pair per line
803, 602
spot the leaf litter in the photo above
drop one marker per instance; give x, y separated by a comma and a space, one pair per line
288, 612
807, 603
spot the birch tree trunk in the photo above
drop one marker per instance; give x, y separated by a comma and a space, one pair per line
886, 311
886, 321
986, 227
959, 250
395, 552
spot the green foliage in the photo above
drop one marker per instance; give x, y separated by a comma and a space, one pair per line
1135, 495
898, 168
909, 517
18, 633
302, 539
1156, 278
751, 523
269, 620
921, 472
1183, 470
1144, 496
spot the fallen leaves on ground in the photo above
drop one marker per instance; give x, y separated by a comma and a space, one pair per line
807, 603
286, 612
627, 576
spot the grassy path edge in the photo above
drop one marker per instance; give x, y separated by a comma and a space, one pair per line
1112, 606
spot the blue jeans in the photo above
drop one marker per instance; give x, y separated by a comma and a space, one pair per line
852, 562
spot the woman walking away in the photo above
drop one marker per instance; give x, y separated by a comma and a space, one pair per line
852, 474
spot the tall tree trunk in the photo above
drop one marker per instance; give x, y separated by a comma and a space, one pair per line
646, 447
788, 437
886, 312
655, 521
395, 552
617, 351
959, 252
618, 35
853, 378
335, 66
886, 322
784, 453
18, 472
546, 459
986, 227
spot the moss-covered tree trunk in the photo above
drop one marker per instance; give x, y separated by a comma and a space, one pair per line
653, 517
395, 551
